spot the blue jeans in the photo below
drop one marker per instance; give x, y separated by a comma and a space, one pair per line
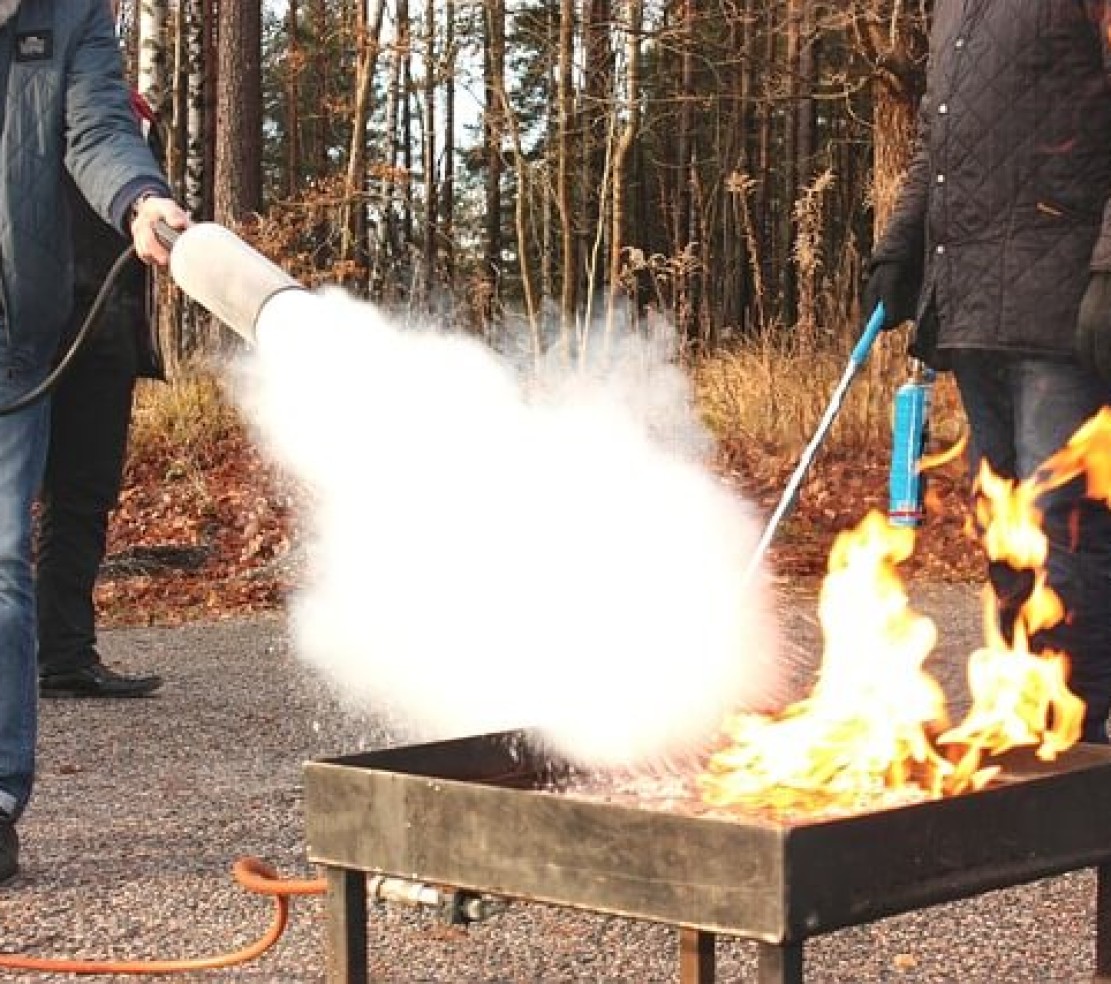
1020, 410
23, 443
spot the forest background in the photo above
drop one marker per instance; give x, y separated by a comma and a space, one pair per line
530, 172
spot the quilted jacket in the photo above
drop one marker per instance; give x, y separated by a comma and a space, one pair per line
1005, 207
63, 104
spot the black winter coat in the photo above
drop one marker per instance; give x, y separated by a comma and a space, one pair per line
1004, 210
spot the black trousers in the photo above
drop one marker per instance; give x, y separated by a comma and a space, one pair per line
90, 417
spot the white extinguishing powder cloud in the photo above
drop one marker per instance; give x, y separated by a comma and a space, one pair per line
490, 551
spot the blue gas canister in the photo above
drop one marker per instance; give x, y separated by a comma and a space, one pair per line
909, 431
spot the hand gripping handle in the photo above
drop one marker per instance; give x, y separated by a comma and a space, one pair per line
166, 233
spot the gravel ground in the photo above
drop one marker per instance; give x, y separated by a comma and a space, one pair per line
142, 807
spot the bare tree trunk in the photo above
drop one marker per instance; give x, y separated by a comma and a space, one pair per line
385, 227
493, 128
566, 156
634, 17
431, 207
549, 205
368, 34
447, 199
686, 315
522, 208
735, 246
764, 206
595, 114
808, 58
319, 130
238, 177
293, 60
405, 31
790, 185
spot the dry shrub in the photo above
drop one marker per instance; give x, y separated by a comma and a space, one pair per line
187, 419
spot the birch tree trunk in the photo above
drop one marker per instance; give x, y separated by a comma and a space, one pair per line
153, 74
210, 32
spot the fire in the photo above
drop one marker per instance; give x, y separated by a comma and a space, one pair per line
875, 728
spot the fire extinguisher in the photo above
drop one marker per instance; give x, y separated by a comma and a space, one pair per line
909, 434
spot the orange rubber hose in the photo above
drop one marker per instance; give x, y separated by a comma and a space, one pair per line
252, 874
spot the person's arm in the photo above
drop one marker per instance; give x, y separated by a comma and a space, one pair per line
903, 238
1100, 14
1093, 322
895, 269
105, 152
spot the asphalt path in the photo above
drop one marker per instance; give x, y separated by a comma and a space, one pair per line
142, 807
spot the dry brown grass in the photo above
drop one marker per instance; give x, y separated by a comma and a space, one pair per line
186, 419
771, 391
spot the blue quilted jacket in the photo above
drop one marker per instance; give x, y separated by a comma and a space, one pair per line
1005, 207
63, 104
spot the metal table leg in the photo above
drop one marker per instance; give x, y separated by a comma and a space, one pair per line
779, 964
696, 956
346, 913
1103, 924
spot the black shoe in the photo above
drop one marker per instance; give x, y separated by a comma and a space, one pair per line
96, 681
9, 850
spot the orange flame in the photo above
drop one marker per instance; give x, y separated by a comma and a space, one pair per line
864, 726
876, 721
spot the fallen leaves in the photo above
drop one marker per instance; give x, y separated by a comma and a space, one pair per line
212, 538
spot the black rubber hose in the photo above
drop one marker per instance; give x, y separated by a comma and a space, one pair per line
36, 393
168, 235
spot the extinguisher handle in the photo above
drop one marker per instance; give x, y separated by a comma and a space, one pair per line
166, 233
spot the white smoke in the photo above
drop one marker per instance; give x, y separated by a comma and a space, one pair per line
490, 551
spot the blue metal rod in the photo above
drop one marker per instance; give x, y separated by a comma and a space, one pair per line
790, 494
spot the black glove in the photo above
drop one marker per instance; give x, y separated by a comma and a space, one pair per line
1093, 326
897, 286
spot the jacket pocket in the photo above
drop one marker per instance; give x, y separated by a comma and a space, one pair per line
1055, 209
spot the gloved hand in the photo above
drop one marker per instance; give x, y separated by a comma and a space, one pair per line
1093, 326
897, 286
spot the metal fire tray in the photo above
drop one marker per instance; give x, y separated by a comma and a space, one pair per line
478, 813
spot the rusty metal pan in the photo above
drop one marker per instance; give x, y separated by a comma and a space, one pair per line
478, 813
